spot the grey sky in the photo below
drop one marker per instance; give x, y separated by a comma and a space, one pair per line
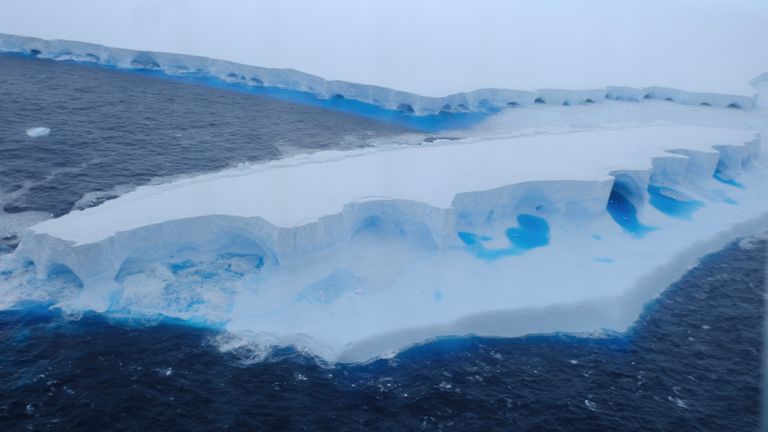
437, 46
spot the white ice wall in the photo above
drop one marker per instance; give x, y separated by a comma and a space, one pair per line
482, 100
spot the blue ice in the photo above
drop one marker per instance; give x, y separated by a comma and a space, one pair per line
437, 296
719, 176
532, 232
624, 213
187, 288
671, 203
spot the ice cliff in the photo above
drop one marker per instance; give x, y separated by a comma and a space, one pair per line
483, 100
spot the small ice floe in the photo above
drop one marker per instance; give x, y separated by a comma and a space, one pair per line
679, 402
165, 372
38, 132
591, 405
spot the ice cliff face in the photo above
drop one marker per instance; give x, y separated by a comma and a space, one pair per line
484, 100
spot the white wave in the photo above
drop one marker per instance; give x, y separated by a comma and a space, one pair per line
752, 242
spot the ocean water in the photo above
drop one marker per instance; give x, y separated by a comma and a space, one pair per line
692, 361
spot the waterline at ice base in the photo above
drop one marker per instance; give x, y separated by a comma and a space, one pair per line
565, 212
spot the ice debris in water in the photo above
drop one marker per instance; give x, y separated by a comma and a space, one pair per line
38, 132
591, 405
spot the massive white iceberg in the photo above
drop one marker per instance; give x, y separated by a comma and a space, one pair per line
483, 100
359, 254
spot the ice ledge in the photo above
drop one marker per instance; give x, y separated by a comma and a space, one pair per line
483, 100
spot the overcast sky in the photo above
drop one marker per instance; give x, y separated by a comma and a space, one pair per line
437, 47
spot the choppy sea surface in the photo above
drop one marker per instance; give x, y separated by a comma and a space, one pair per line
692, 361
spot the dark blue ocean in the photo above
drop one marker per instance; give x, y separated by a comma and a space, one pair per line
691, 363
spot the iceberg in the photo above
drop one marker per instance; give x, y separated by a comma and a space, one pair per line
487, 100
359, 254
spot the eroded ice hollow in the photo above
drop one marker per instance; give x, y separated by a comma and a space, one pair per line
358, 254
